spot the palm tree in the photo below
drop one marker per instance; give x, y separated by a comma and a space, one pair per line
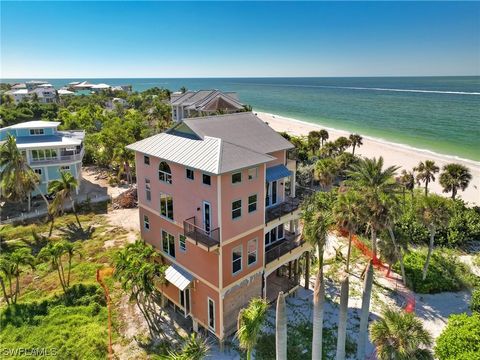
407, 180
281, 328
399, 335
356, 141
432, 213
342, 143
194, 348
7, 269
18, 179
347, 211
426, 173
20, 257
454, 177
64, 189
183, 89
374, 182
124, 158
249, 324
326, 171
70, 249
323, 135
53, 253
313, 141
317, 223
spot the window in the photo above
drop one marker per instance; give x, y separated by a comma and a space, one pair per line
168, 243
146, 222
164, 173
211, 314
207, 180
252, 173
36, 132
166, 206
65, 168
190, 174
237, 259
148, 190
252, 203
182, 241
146, 160
236, 209
38, 171
252, 251
237, 178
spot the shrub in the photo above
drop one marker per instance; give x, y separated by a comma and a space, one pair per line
475, 301
460, 340
445, 272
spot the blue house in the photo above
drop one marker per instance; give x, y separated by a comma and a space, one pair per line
48, 150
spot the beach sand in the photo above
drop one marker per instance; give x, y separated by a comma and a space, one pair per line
394, 154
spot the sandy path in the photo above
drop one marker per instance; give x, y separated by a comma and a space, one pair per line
394, 154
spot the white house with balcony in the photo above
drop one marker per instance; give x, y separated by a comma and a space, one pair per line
48, 150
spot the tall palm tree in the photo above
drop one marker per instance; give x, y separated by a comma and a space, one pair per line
326, 171
323, 135
342, 143
318, 221
407, 180
374, 182
64, 189
7, 273
70, 249
20, 257
281, 328
249, 324
426, 173
356, 140
433, 213
399, 335
18, 179
347, 212
124, 157
454, 177
53, 253
313, 141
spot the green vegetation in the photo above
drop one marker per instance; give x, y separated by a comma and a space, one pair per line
250, 321
461, 338
446, 272
475, 301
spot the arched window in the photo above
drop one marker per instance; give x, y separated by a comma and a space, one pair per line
164, 172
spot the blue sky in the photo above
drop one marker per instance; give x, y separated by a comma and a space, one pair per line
223, 39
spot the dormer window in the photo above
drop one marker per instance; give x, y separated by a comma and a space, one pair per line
164, 173
36, 132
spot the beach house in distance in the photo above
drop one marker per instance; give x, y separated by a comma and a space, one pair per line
217, 200
48, 150
203, 103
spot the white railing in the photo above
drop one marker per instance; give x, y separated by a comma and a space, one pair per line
59, 159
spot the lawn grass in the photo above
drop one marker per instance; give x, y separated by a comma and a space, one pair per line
78, 329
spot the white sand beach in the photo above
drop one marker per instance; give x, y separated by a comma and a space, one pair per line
393, 154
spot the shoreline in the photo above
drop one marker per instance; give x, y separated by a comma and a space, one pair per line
393, 153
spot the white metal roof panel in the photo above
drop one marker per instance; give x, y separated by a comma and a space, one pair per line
178, 277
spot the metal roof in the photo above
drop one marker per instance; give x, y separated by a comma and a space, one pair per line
178, 277
211, 155
243, 129
33, 124
277, 172
45, 141
199, 99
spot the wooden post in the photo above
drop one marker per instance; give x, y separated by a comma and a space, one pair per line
307, 270
289, 269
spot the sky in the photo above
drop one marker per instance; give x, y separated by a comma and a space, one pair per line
238, 39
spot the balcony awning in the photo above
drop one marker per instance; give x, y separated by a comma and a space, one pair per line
178, 277
277, 172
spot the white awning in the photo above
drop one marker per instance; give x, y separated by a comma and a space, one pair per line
178, 277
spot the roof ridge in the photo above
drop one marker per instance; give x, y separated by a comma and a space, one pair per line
245, 148
219, 115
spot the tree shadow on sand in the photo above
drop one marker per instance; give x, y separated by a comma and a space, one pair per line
72, 232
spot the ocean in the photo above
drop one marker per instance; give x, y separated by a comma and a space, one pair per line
439, 114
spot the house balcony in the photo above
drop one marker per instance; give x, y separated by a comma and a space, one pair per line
59, 159
291, 244
276, 212
206, 239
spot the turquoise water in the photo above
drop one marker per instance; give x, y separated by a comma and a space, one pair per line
440, 114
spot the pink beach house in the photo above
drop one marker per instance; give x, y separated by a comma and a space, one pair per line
217, 200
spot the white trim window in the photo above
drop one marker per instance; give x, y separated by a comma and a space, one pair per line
166, 206
37, 132
146, 222
252, 173
164, 173
182, 242
236, 209
168, 243
237, 177
211, 314
148, 190
252, 203
237, 259
252, 250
